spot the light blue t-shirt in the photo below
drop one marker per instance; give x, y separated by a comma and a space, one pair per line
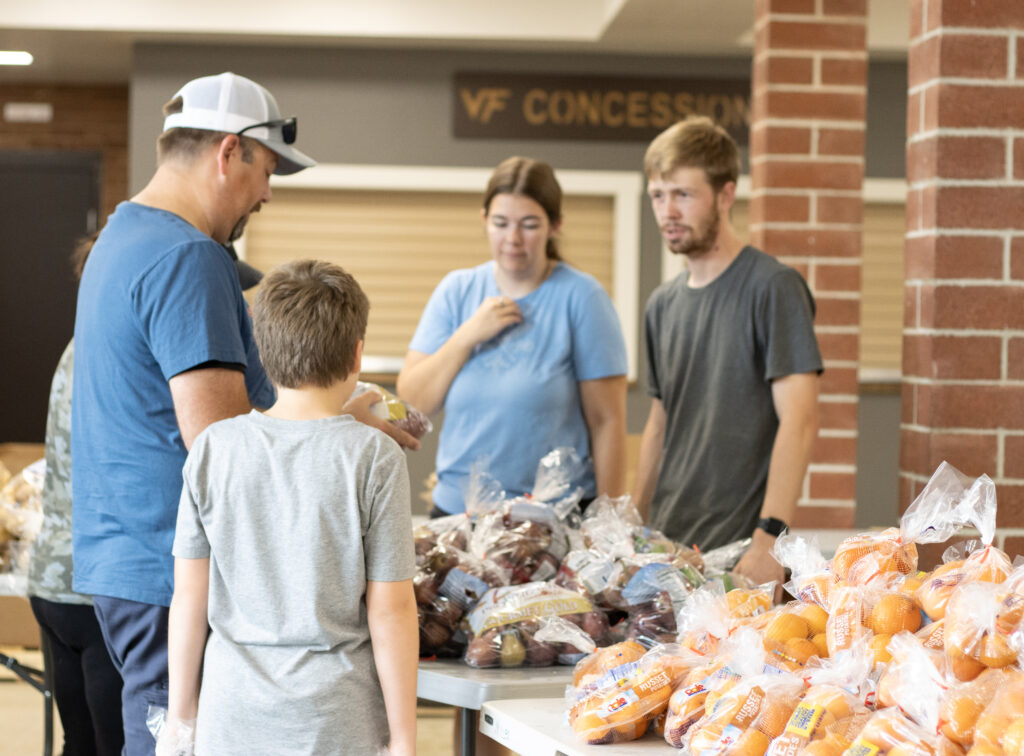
518, 397
157, 298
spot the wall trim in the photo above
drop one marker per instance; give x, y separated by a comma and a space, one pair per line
623, 187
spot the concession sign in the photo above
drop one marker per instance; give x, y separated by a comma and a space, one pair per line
525, 106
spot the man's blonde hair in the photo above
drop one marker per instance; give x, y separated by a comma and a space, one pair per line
187, 144
697, 142
308, 319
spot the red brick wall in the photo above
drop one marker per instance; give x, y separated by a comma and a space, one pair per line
963, 349
807, 171
85, 118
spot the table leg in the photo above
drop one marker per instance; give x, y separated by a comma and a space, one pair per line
468, 718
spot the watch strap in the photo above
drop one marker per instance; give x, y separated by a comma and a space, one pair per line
773, 526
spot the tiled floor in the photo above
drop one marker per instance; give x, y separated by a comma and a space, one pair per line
21, 717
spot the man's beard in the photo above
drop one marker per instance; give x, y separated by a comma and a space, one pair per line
696, 243
239, 229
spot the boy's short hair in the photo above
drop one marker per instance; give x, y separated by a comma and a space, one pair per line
308, 319
696, 142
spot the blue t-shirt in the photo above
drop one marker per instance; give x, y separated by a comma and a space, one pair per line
518, 397
157, 297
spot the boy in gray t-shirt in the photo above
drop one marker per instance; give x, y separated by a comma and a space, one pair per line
294, 546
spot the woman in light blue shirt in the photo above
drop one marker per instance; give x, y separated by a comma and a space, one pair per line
524, 353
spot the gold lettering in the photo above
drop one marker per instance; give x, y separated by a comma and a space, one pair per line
636, 109
534, 110
560, 107
683, 103
661, 110
613, 119
482, 105
472, 103
588, 108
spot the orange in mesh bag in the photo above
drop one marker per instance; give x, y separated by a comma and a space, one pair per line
823, 724
987, 564
628, 698
973, 639
746, 719
949, 502
999, 730
889, 731
688, 703
964, 703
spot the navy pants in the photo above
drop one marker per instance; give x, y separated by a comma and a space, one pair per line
86, 686
136, 637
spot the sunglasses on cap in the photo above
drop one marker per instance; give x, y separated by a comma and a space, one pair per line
289, 128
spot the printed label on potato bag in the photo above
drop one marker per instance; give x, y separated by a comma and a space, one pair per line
862, 748
805, 719
512, 603
617, 703
462, 589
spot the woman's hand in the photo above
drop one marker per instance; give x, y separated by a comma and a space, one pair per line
425, 378
493, 316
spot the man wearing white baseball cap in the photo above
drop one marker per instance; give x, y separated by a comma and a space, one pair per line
164, 348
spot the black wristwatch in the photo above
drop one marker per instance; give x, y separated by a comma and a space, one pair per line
773, 526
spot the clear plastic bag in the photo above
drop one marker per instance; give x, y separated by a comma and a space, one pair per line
745, 719
448, 583
396, 411
623, 702
174, 737
504, 622
525, 538
21, 517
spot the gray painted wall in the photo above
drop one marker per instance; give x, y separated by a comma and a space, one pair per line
379, 106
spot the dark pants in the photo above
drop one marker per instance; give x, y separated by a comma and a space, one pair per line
136, 636
86, 686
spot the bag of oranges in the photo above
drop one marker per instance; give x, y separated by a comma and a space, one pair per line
621, 705
832, 710
889, 731
949, 502
974, 638
964, 702
744, 720
973, 560
811, 577
1000, 728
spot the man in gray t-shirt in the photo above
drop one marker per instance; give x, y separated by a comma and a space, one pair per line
732, 361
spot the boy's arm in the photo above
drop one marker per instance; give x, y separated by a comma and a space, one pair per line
187, 629
394, 633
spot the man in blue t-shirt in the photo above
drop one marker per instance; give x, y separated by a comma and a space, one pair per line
163, 348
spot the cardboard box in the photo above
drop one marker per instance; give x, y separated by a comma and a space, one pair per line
18, 625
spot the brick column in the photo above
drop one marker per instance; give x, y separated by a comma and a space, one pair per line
807, 171
963, 345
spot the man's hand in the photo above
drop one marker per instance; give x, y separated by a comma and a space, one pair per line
759, 563
359, 408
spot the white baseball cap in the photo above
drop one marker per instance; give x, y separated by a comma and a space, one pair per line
237, 105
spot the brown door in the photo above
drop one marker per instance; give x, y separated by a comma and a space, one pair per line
47, 201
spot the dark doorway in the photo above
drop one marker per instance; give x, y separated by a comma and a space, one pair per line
47, 201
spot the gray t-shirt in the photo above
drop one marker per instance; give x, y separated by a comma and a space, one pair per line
296, 517
712, 353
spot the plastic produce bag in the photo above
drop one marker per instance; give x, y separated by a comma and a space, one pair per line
523, 537
949, 502
505, 620
745, 719
447, 584
396, 411
621, 704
